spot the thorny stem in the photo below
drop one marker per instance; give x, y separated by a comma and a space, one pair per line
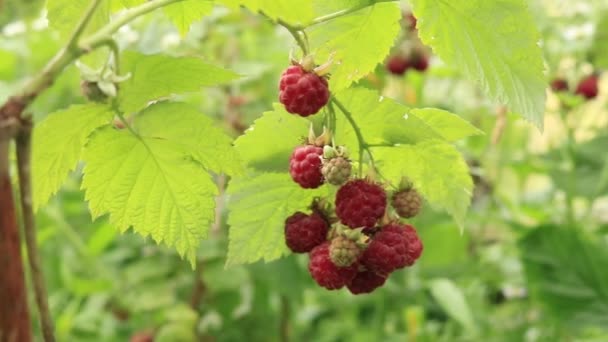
24, 149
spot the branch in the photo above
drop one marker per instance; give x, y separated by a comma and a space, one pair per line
73, 40
73, 50
24, 149
97, 39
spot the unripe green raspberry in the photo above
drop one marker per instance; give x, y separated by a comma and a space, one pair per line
407, 203
343, 251
336, 171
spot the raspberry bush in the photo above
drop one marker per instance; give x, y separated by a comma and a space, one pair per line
152, 154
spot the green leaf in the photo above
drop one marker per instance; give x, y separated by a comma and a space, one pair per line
57, 145
151, 185
350, 37
183, 14
437, 170
196, 133
566, 272
495, 43
269, 142
453, 302
159, 76
64, 15
599, 48
258, 208
381, 120
450, 126
295, 12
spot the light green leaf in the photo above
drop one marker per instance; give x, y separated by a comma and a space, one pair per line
183, 14
599, 48
258, 208
57, 145
295, 12
159, 76
495, 43
64, 15
196, 133
566, 273
151, 185
269, 142
452, 301
450, 126
437, 170
381, 121
120, 4
350, 37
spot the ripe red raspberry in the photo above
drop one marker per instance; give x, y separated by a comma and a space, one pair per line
397, 65
303, 93
394, 246
305, 232
407, 203
420, 62
305, 166
336, 171
325, 273
559, 85
587, 87
366, 282
360, 203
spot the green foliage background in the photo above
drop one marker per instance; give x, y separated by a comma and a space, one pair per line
516, 252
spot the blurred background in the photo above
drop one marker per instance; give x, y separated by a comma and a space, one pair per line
530, 265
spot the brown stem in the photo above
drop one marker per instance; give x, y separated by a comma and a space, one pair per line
284, 325
24, 149
14, 315
500, 125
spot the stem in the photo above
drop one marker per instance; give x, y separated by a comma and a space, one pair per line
73, 40
284, 323
24, 149
98, 38
338, 14
295, 32
360, 139
113, 46
14, 314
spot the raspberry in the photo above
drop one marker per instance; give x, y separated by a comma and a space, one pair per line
559, 85
394, 246
325, 273
411, 21
397, 65
303, 93
305, 232
305, 166
407, 203
420, 62
366, 282
360, 203
588, 87
336, 171
92, 92
343, 251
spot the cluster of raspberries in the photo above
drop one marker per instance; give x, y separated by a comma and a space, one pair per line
360, 247
356, 244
